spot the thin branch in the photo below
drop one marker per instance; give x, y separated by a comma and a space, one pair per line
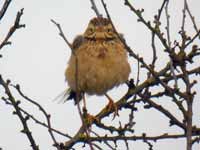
168, 24
37, 120
18, 112
4, 8
94, 7
169, 44
183, 17
106, 142
133, 138
47, 116
62, 34
138, 13
191, 17
164, 111
157, 24
196, 140
16, 26
193, 38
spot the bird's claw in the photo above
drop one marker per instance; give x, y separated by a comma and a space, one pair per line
112, 106
89, 119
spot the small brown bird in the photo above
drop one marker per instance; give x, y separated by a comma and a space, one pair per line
102, 60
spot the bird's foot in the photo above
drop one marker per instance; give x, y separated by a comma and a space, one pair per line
89, 119
111, 106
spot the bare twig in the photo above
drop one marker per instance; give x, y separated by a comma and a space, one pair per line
18, 112
169, 43
97, 135
37, 120
62, 34
47, 116
134, 137
192, 39
157, 24
94, 7
191, 16
16, 26
4, 8
147, 23
168, 25
183, 17
196, 140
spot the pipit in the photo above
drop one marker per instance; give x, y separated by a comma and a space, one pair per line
100, 58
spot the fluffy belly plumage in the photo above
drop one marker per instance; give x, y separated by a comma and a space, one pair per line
101, 66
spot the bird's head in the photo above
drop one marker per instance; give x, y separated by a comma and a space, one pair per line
100, 29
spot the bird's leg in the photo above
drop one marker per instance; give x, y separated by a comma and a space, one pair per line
111, 105
89, 119
85, 113
84, 102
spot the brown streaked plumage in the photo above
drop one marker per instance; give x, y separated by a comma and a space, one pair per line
102, 59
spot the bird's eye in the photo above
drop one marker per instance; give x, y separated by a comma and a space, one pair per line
109, 30
90, 30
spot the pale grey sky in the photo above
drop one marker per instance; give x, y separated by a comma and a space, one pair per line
37, 59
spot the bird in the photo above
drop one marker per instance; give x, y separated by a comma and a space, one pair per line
98, 61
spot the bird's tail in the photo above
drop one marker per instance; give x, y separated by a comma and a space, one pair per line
68, 94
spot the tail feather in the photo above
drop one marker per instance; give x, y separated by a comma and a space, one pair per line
66, 95
72, 95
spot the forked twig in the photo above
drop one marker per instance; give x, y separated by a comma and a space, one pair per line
16, 26
47, 116
18, 112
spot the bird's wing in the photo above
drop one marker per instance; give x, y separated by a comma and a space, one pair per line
77, 42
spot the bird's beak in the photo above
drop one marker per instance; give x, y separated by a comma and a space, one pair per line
100, 33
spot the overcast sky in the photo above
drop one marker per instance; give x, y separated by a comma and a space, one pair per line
38, 57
